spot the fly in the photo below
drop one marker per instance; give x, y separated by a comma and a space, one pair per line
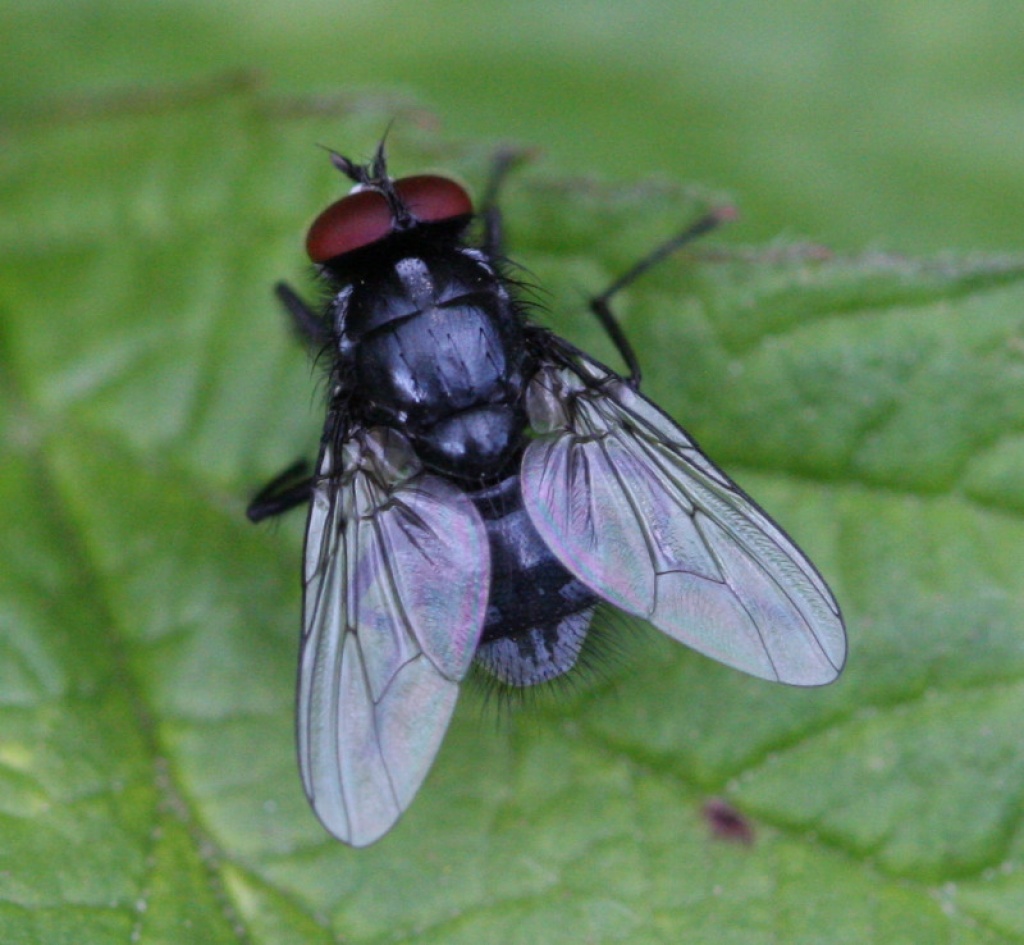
482, 486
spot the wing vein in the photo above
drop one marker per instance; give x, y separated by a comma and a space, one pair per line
641, 525
723, 569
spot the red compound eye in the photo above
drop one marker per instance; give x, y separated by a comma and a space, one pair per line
347, 224
431, 198
363, 218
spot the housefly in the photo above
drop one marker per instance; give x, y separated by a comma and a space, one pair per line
482, 486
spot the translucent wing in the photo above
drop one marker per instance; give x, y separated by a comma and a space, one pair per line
396, 582
631, 507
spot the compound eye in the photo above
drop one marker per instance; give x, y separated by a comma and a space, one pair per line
431, 199
351, 223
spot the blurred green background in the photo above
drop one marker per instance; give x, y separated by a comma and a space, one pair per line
855, 123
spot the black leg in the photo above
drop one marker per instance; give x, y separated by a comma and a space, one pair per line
599, 304
292, 488
309, 325
494, 240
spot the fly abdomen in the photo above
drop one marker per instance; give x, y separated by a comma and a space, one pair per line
538, 614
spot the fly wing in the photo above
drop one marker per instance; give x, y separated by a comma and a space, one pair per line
396, 581
630, 506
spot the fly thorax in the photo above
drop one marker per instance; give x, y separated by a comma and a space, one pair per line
438, 352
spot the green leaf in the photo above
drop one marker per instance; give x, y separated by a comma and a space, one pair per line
148, 788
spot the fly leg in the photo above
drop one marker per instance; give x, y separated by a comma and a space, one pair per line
600, 304
494, 236
308, 325
292, 488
